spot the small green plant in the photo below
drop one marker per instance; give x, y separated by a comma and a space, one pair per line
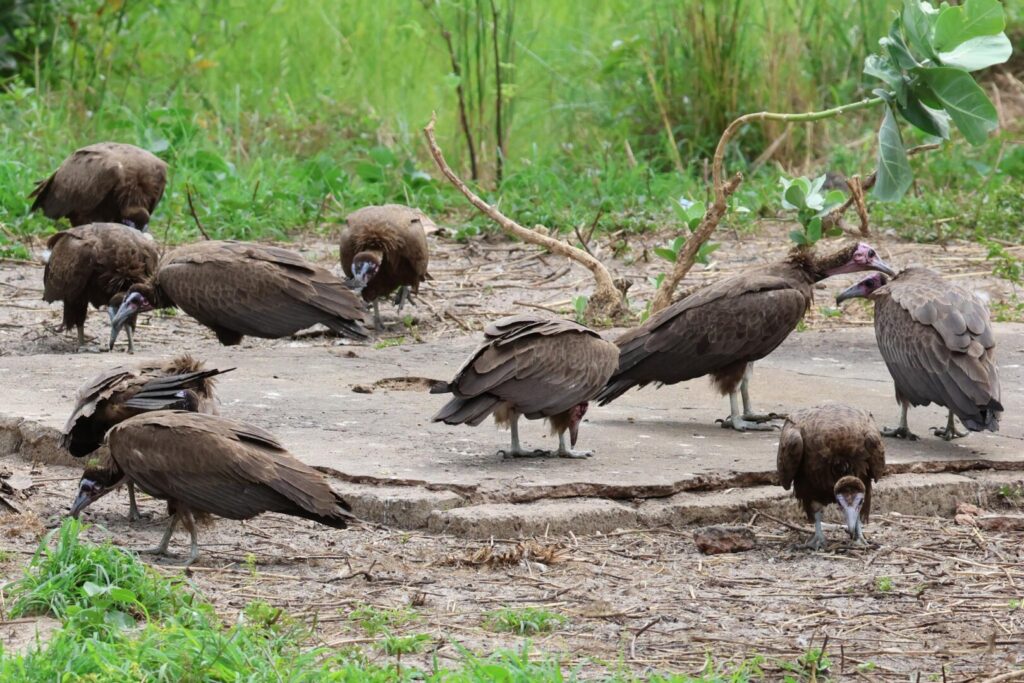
867, 667
883, 584
376, 620
393, 341
250, 564
5, 555
1005, 264
830, 312
805, 196
524, 621
398, 646
579, 306
690, 214
812, 665
1011, 493
1015, 605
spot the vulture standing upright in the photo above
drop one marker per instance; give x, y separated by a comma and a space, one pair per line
109, 182
123, 392
721, 329
937, 342
531, 366
831, 454
95, 264
204, 464
241, 288
384, 248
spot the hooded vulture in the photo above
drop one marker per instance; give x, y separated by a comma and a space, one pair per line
384, 248
204, 464
241, 288
937, 342
115, 395
831, 454
721, 329
108, 182
95, 264
534, 367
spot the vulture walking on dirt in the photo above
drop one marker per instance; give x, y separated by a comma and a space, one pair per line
937, 342
96, 264
533, 367
384, 248
115, 395
240, 288
109, 182
208, 465
831, 454
721, 329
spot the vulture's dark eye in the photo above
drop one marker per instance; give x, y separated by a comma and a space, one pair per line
871, 253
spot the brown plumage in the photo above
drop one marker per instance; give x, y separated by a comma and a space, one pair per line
93, 264
535, 367
720, 329
109, 182
242, 288
937, 341
117, 394
384, 248
207, 464
831, 454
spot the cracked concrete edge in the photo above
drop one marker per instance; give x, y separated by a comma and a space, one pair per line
32, 442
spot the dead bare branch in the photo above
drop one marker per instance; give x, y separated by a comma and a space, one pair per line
192, 210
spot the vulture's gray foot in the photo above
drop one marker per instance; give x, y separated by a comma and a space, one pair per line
508, 453
161, 549
576, 455
760, 417
816, 542
81, 335
949, 432
133, 508
378, 324
743, 425
402, 297
899, 433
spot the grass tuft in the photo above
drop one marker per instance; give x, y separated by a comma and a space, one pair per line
524, 621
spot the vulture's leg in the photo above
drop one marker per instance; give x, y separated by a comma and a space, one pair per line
377, 324
950, 432
402, 297
565, 452
133, 509
736, 421
748, 409
190, 524
81, 334
817, 541
903, 431
162, 548
130, 332
515, 450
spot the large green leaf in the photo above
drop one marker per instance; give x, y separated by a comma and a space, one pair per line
978, 53
897, 47
894, 176
918, 27
973, 19
963, 100
932, 121
882, 69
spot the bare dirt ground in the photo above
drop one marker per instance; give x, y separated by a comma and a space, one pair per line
934, 596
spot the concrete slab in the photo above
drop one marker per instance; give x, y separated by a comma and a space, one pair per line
650, 444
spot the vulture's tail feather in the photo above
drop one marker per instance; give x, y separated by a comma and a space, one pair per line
471, 411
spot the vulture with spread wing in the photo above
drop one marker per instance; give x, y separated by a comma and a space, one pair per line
117, 394
96, 264
937, 342
240, 288
109, 182
831, 454
204, 464
721, 329
535, 367
384, 248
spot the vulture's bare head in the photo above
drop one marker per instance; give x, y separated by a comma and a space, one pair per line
863, 289
136, 217
849, 492
136, 302
576, 414
96, 482
857, 258
365, 265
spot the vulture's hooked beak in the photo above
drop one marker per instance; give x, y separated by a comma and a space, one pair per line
853, 292
882, 267
851, 506
132, 304
89, 491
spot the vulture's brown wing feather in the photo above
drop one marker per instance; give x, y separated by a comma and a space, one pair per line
257, 290
790, 455
70, 266
735, 321
938, 344
219, 466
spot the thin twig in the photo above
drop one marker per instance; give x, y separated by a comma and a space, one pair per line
192, 210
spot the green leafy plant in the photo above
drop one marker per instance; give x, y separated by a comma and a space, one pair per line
813, 665
377, 620
524, 621
805, 196
1006, 264
883, 584
690, 214
579, 306
397, 646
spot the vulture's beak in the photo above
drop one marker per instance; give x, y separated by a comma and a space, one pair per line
851, 511
852, 292
117, 320
88, 493
881, 266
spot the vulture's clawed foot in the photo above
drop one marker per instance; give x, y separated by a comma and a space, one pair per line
816, 542
741, 424
760, 417
509, 453
948, 433
576, 455
899, 433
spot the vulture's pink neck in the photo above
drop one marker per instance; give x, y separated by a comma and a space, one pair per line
817, 268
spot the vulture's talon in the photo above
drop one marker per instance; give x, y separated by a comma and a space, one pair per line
762, 418
576, 455
899, 433
948, 434
519, 453
741, 425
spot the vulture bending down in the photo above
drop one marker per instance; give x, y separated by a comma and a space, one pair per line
384, 248
108, 182
241, 288
831, 454
95, 264
937, 342
206, 464
123, 392
721, 329
532, 366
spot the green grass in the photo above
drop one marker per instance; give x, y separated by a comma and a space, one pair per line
376, 620
524, 621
